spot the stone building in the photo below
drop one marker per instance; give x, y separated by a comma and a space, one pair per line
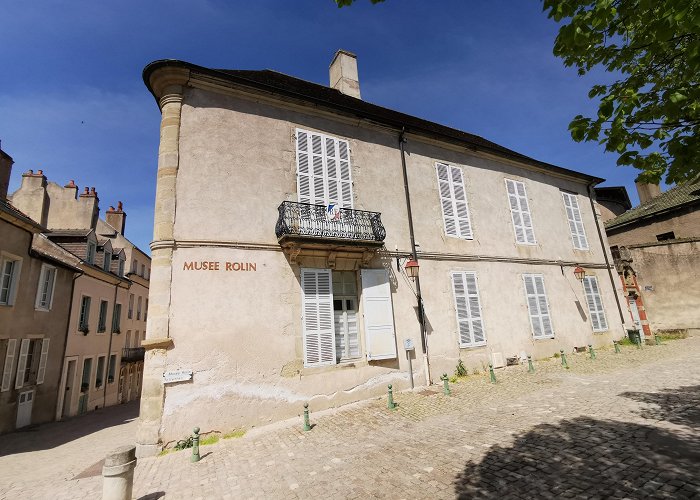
103, 357
35, 291
656, 247
289, 216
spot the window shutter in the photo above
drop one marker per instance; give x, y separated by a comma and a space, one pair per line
595, 304
42, 361
468, 307
520, 212
7, 370
323, 170
378, 314
317, 317
453, 200
573, 215
22, 363
538, 306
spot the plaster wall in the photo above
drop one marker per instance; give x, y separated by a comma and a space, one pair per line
684, 223
668, 275
22, 320
241, 333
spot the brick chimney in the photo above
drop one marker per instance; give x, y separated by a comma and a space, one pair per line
343, 73
646, 191
116, 217
5, 171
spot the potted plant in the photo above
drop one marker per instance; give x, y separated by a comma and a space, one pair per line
84, 387
116, 331
110, 379
98, 383
84, 329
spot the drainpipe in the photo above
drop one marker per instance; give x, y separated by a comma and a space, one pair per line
414, 255
591, 194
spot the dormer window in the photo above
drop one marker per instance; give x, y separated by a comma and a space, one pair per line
91, 249
108, 261
121, 267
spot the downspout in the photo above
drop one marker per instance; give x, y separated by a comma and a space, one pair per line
414, 255
65, 347
591, 194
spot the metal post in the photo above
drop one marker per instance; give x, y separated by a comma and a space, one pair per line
410, 368
446, 385
195, 445
390, 401
590, 349
617, 347
656, 339
492, 375
563, 359
530, 366
307, 423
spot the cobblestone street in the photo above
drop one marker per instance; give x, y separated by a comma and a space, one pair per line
621, 426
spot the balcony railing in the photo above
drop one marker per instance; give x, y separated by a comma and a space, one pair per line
133, 354
306, 221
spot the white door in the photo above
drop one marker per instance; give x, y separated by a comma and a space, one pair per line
25, 401
378, 314
635, 313
69, 389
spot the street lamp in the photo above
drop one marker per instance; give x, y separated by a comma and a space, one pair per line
580, 273
411, 269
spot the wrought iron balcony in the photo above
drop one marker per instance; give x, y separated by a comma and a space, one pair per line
303, 221
133, 354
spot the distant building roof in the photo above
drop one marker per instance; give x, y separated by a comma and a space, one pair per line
615, 194
681, 196
8, 208
289, 86
69, 233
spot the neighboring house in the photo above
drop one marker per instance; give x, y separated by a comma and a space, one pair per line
103, 357
656, 247
35, 291
612, 201
282, 275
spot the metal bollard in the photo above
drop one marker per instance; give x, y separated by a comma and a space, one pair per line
492, 374
638, 341
118, 474
563, 359
195, 445
307, 423
590, 349
446, 386
530, 366
656, 339
390, 401
617, 347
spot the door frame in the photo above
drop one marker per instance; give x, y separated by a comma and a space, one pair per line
64, 383
20, 393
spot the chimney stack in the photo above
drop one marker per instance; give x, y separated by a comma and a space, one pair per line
116, 217
343, 73
5, 171
646, 191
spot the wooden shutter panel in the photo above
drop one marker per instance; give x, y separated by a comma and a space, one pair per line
453, 200
595, 304
323, 170
22, 363
537, 305
468, 307
445, 189
42, 361
573, 215
317, 317
7, 370
520, 212
380, 338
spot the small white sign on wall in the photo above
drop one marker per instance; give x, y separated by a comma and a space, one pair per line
177, 376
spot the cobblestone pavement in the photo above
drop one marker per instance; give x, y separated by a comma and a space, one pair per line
620, 426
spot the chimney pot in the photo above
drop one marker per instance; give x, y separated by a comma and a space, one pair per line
119, 206
343, 73
646, 191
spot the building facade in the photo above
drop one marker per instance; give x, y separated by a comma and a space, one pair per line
287, 214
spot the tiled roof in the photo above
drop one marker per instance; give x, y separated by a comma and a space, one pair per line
677, 197
289, 86
8, 208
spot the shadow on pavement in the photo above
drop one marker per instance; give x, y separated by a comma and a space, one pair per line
586, 457
53, 434
679, 406
152, 496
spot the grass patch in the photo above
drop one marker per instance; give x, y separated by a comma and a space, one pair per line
165, 451
213, 439
238, 433
625, 341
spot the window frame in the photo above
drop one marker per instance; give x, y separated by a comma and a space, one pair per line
575, 208
107, 261
539, 315
102, 318
130, 310
470, 319
13, 281
116, 318
459, 233
597, 301
84, 314
90, 252
39, 304
520, 211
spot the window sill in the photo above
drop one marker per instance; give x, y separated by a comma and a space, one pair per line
42, 309
548, 337
598, 332
472, 346
343, 364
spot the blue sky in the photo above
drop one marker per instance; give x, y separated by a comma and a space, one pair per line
72, 101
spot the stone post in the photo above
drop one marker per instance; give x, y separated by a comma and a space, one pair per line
118, 474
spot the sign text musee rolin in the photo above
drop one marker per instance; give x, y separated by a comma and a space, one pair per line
208, 265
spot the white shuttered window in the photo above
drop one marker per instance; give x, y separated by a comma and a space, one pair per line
468, 307
317, 317
520, 212
453, 200
538, 306
7, 369
323, 170
573, 215
22, 363
595, 304
42, 361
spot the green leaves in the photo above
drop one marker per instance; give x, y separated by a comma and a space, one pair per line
651, 115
